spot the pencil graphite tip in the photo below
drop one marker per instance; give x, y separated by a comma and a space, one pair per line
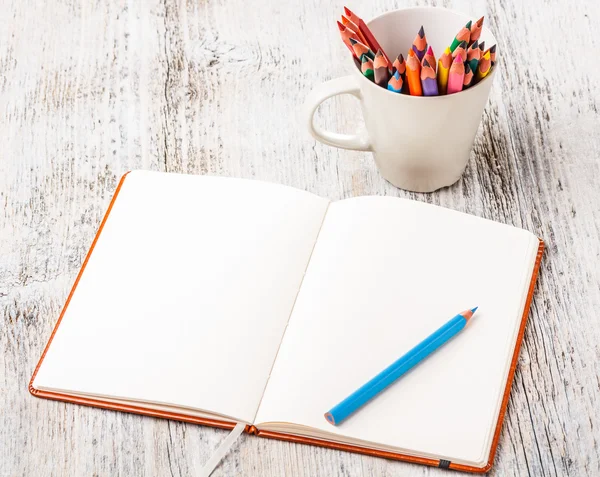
430, 51
468, 25
421, 32
473, 310
474, 45
353, 41
493, 49
482, 45
426, 64
480, 21
340, 26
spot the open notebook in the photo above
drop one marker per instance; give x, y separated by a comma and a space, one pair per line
219, 301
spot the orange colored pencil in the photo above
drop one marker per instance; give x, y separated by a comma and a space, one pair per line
456, 76
354, 27
430, 57
413, 74
476, 30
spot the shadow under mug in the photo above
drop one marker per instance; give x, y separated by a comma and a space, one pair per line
419, 143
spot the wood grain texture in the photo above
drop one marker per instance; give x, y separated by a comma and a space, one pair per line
89, 90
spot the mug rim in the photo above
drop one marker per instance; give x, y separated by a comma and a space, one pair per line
438, 97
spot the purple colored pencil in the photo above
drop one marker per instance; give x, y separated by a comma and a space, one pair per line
428, 80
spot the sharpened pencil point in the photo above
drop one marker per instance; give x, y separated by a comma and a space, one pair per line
473, 310
468, 25
421, 32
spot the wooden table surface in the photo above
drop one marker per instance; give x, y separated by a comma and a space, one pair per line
89, 90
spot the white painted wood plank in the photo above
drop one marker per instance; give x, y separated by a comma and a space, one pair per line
89, 90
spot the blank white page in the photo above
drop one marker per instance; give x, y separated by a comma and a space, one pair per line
187, 293
385, 273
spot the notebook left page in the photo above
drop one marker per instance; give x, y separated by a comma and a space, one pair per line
188, 274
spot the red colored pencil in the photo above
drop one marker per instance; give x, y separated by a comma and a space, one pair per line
372, 41
346, 34
352, 16
476, 30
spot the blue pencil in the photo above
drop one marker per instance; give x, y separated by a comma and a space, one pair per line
399, 367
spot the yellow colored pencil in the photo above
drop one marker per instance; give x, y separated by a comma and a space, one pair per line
443, 70
484, 66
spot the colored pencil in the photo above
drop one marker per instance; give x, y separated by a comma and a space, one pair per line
352, 16
360, 49
428, 79
372, 41
476, 30
473, 55
430, 57
443, 69
346, 34
456, 76
419, 45
463, 35
399, 367
382, 74
367, 67
413, 74
395, 83
461, 50
484, 67
354, 27
492, 50
482, 46
400, 66
468, 79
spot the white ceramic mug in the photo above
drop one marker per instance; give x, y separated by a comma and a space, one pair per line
419, 143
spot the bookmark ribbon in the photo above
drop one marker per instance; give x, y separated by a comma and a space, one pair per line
227, 444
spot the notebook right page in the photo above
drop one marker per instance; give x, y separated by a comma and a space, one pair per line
385, 273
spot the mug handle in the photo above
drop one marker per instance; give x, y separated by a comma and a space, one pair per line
344, 85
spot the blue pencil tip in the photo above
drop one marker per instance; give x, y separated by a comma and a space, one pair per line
473, 310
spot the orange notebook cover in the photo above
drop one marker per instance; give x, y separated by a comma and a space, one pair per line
251, 429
